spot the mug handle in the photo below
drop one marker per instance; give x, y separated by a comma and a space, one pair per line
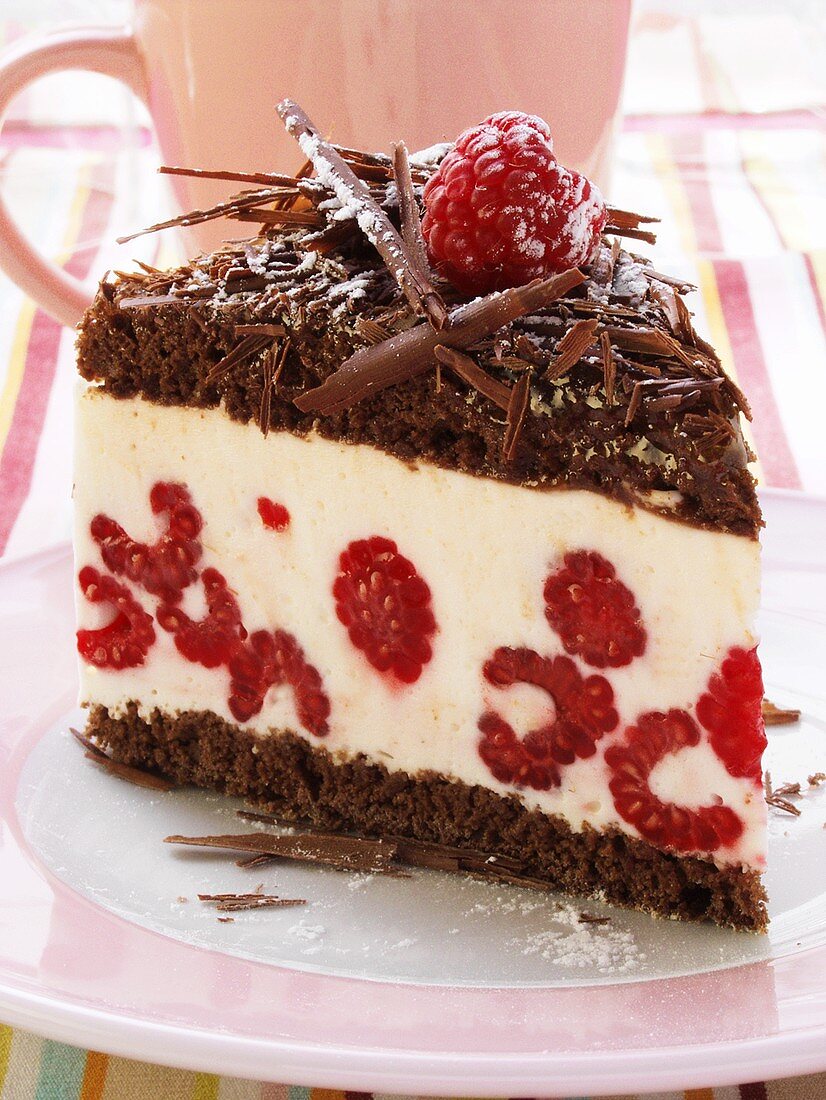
96, 50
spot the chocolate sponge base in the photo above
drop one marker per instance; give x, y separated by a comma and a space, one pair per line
297, 781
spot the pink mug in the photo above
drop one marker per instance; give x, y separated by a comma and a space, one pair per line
367, 71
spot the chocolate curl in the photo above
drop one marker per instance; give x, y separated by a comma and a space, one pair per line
520, 400
470, 371
408, 354
333, 171
343, 852
221, 210
412, 234
571, 348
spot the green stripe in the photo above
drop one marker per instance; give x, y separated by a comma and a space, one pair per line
61, 1072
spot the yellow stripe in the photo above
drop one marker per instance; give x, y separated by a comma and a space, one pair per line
206, 1087
666, 170
25, 320
781, 201
5, 1047
94, 1076
720, 339
14, 371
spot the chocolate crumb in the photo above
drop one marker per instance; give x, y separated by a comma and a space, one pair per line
816, 779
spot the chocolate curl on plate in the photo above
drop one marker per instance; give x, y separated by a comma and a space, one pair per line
408, 354
354, 195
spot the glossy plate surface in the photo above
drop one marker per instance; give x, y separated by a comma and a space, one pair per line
432, 984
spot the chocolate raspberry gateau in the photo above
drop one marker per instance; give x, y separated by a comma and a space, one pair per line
426, 513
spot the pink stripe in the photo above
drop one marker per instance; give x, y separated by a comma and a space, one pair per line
816, 292
22, 134
690, 159
775, 454
20, 451
722, 120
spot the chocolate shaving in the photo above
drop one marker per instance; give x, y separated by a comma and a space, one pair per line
816, 779
370, 331
411, 225
271, 178
635, 234
626, 219
238, 903
342, 852
197, 217
783, 804
410, 353
280, 217
778, 716
787, 789
609, 367
470, 371
260, 330
247, 348
353, 194
432, 856
590, 918
518, 405
680, 284
138, 776
571, 348
649, 341
634, 403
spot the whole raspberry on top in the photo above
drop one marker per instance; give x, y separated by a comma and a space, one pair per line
501, 210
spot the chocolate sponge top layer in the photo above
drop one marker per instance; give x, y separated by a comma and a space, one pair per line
607, 388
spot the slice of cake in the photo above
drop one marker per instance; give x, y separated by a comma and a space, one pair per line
434, 529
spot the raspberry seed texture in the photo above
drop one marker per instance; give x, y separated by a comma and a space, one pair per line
583, 713
385, 606
501, 211
654, 736
593, 612
731, 710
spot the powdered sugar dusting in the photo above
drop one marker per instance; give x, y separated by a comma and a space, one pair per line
574, 943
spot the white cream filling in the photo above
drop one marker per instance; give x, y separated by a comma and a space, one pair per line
484, 548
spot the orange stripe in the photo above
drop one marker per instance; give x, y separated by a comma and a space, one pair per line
699, 1094
94, 1077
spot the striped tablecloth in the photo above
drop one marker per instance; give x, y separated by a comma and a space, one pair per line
735, 166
